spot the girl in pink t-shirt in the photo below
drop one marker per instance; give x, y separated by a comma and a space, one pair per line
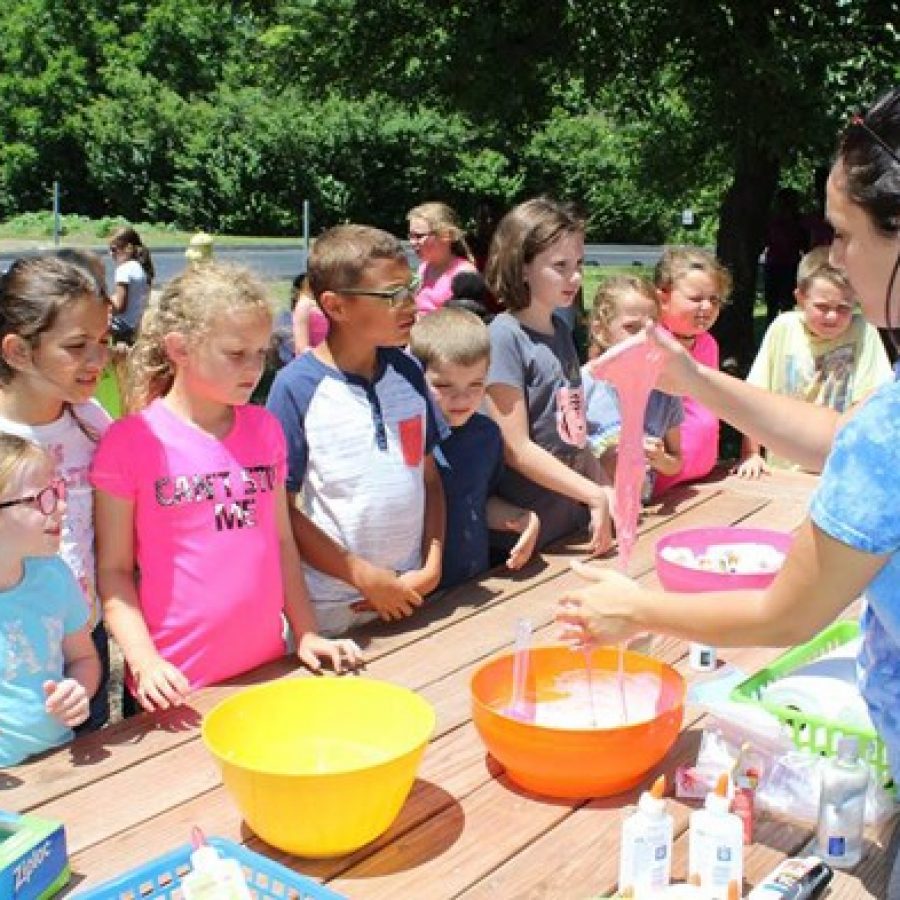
692, 285
190, 491
438, 240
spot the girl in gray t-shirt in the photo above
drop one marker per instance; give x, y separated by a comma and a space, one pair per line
534, 390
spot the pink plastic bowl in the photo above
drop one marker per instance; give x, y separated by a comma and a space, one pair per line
675, 577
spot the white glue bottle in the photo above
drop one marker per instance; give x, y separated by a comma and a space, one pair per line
645, 857
842, 806
716, 845
213, 877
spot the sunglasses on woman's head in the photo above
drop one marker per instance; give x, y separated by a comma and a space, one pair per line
860, 122
46, 500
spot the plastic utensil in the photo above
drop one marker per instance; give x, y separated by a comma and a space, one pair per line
519, 708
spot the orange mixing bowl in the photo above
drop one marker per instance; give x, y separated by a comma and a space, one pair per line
575, 763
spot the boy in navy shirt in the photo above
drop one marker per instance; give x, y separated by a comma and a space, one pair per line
454, 348
368, 507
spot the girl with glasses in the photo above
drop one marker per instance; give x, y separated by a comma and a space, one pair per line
50, 667
439, 243
54, 333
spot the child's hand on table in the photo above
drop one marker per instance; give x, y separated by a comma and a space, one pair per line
601, 613
601, 522
392, 596
344, 654
159, 685
67, 701
752, 467
528, 525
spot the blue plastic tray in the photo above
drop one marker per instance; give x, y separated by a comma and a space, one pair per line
160, 879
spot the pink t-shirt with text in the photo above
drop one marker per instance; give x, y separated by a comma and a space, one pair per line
437, 290
205, 535
700, 428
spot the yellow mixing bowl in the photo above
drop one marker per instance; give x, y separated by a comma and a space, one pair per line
319, 766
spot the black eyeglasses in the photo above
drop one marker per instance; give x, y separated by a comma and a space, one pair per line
46, 500
860, 122
397, 296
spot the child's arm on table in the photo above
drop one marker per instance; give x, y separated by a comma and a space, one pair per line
68, 700
298, 609
505, 516
158, 684
425, 579
819, 579
506, 405
664, 454
752, 463
390, 597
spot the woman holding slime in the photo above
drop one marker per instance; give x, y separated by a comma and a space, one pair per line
850, 542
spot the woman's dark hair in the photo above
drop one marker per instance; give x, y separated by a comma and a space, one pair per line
125, 236
868, 150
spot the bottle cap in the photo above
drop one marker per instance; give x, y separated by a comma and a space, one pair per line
651, 802
717, 800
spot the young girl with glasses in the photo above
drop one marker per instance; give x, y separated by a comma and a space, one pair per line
54, 329
190, 493
440, 244
50, 668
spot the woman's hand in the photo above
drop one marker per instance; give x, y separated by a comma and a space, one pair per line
344, 654
679, 367
600, 614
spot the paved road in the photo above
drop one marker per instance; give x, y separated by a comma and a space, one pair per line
280, 263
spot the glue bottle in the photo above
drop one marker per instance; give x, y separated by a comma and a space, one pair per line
213, 877
716, 845
645, 858
842, 806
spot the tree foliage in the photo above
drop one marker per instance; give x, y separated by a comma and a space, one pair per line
229, 115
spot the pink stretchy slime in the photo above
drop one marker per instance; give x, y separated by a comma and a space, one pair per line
632, 367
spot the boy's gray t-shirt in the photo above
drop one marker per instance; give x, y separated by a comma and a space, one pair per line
538, 365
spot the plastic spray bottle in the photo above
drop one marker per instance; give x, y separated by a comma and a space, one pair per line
645, 857
716, 845
842, 806
213, 877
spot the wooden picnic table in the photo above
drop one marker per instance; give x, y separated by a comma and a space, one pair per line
133, 791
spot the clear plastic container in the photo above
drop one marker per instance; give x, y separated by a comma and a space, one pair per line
842, 806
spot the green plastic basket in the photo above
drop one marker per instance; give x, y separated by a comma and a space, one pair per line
814, 733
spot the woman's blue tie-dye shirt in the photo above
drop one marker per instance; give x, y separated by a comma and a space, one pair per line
858, 503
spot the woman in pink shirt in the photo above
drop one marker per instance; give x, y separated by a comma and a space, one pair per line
692, 285
438, 240
190, 491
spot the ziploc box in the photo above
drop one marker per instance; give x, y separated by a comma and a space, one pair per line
33, 859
